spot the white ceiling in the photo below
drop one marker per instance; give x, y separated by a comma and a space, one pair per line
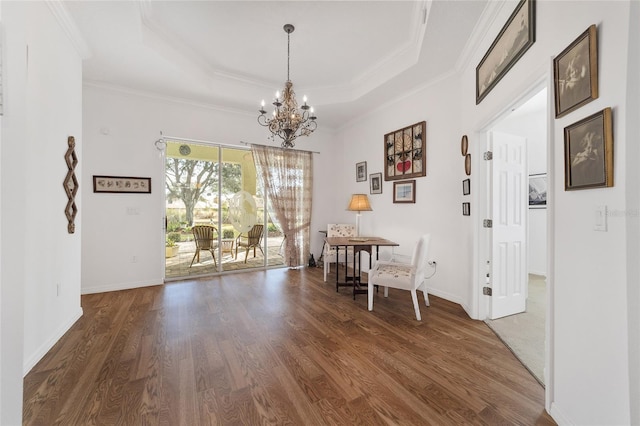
348, 57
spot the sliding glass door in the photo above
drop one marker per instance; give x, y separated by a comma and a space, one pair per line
216, 220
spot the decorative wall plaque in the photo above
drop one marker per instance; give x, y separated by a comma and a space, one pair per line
405, 152
71, 184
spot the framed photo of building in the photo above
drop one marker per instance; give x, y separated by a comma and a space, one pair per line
466, 187
405, 152
575, 73
588, 152
514, 39
466, 209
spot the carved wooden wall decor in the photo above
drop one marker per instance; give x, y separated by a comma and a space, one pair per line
71, 184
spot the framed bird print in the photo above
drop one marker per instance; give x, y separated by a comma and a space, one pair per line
405, 152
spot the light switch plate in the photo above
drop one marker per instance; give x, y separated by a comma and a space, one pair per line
600, 219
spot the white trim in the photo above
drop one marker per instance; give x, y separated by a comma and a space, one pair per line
122, 286
69, 27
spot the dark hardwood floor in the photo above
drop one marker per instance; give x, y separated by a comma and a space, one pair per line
277, 347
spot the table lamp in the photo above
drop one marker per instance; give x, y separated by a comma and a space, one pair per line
359, 203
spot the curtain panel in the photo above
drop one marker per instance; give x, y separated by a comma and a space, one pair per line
287, 176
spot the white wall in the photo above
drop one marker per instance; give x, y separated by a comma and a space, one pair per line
438, 207
590, 378
54, 99
42, 106
132, 123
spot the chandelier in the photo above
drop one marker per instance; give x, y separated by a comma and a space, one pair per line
288, 121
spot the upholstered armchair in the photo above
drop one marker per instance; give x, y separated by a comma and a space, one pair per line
403, 276
330, 254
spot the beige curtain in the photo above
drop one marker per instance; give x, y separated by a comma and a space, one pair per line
287, 176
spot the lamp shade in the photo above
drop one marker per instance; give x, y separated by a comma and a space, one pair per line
359, 203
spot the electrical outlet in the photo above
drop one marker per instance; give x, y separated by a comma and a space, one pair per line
432, 263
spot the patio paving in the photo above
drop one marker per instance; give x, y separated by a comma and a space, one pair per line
178, 266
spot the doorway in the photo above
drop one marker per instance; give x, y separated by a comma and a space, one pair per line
524, 331
217, 215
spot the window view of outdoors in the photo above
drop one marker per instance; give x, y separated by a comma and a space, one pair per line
215, 213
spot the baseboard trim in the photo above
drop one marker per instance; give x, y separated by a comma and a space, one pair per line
120, 286
46, 346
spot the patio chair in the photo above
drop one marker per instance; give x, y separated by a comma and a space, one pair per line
205, 237
252, 239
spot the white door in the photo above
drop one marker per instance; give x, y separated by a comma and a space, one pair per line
508, 171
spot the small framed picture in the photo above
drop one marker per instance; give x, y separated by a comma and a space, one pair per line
588, 152
122, 184
375, 183
466, 187
575, 73
404, 192
361, 171
467, 164
466, 209
538, 191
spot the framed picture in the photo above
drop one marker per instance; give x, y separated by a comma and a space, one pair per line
588, 152
575, 73
466, 187
375, 183
405, 152
404, 192
361, 171
467, 164
466, 209
122, 184
514, 39
538, 191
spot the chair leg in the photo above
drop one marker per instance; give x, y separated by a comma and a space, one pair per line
416, 307
214, 258
246, 254
386, 292
326, 266
370, 295
423, 287
194, 258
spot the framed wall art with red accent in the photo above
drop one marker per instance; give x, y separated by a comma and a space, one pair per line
405, 152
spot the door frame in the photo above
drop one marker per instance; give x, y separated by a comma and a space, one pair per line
481, 238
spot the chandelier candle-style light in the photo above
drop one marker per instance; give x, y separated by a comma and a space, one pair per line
288, 122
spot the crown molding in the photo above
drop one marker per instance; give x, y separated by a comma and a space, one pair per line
70, 28
479, 33
159, 97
